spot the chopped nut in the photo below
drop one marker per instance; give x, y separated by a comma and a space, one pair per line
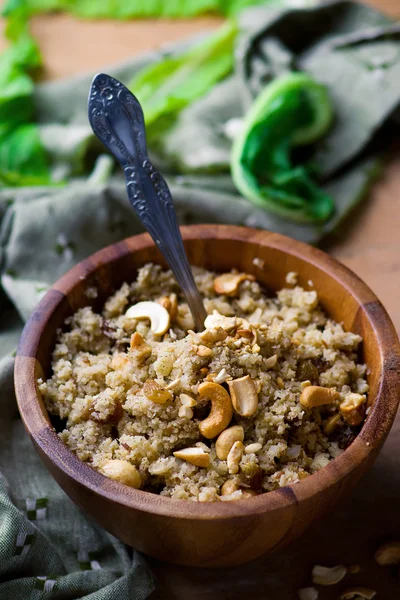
270, 362
221, 409
195, 456
280, 383
358, 593
170, 303
353, 409
353, 569
136, 340
244, 396
229, 487
255, 349
222, 376
229, 283
204, 351
165, 302
157, 314
121, 471
203, 371
185, 412
187, 400
213, 335
258, 262
291, 278
140, 350
218, 321
154, 392
328, 575
234, 457
305, 384
248, 493
252, 448
315, 395
226, 439
173, 384
331, 424
308, 593
246, 333
388, 554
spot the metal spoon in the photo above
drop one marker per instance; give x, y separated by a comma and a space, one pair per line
117, 120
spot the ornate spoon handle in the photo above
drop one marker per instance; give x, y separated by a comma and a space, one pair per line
117, 120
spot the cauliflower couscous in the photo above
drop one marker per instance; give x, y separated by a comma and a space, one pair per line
270, 391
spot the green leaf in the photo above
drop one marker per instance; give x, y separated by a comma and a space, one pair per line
166, 87
126, 9
22, 158
292, 111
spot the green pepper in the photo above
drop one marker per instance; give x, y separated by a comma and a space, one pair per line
291, 111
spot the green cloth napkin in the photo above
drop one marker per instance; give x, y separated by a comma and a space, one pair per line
48, 549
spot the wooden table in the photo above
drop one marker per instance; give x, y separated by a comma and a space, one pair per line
371, 248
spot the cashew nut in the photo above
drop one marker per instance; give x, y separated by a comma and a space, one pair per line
358, 593
121, 471
280, 383
331, 424
140, 350
213, 335
308, 593
170, 303
328, 575
270, 362
204, 351
229, 487
222, 376
234, 457
226, 439
388, 554
244, 396
187, 400
195, 456
253, 448
218, 321
228, 283
315, 395
221, 409
173, 384
157, 314
185, 412
353, 408
154, 392
246, 333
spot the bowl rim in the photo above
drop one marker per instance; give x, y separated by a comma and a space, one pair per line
368, 441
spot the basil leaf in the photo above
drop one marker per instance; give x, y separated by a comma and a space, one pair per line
292, 111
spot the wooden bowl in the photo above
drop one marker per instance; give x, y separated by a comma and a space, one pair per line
219, 533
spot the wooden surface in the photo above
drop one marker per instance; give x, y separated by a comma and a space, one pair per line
371, 247
218, 533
